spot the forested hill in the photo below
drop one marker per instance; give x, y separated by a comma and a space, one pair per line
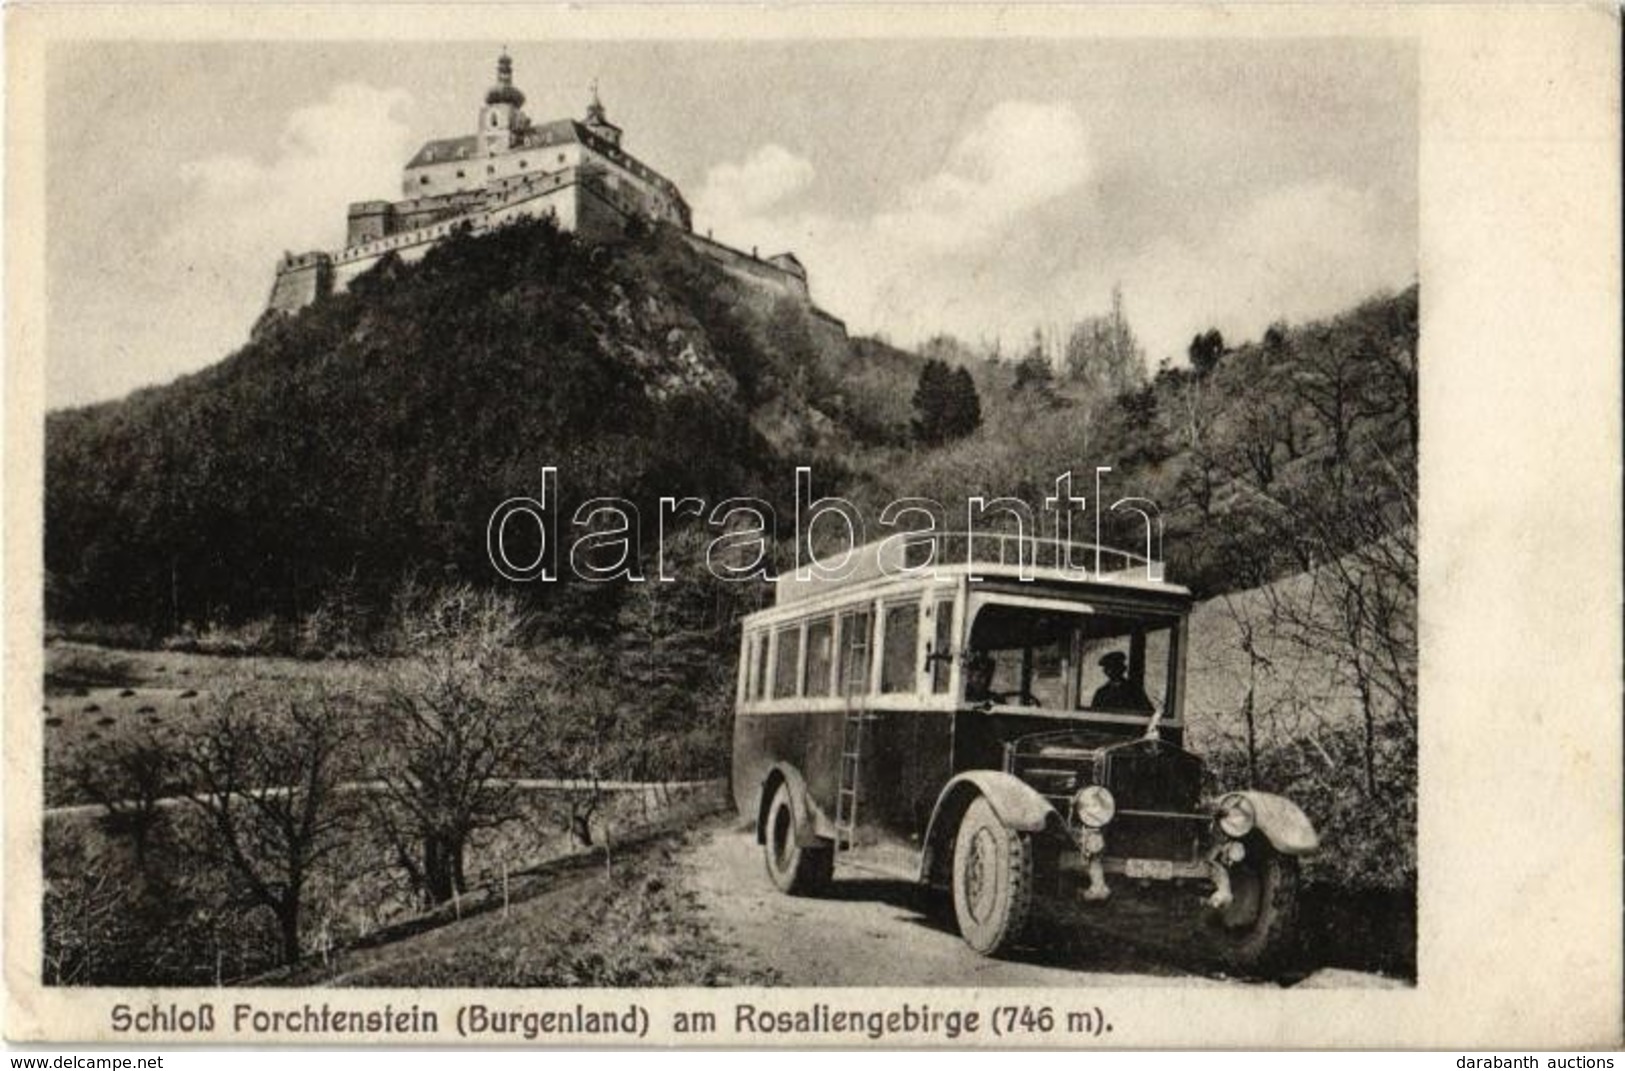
369, 437
1263, 458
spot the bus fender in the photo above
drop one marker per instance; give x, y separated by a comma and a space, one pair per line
1017, 804
1282, 822
801, 805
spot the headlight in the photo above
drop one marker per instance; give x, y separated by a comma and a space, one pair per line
1094, 806
1236, 817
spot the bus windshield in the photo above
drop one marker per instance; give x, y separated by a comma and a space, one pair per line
1057, 660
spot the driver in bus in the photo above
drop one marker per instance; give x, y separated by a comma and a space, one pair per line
979, 667
1118, 693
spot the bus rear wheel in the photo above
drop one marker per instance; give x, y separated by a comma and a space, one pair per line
992, 880
794, 869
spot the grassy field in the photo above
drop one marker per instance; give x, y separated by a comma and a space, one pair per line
95, 696
1294, 689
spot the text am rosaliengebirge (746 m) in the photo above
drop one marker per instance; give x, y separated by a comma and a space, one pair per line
1011, 1021
477, 1021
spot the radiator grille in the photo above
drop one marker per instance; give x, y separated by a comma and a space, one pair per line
1153, 776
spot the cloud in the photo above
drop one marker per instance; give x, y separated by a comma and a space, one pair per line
348, 147
904, 267
1007, 234
1017, 157
193, 293
1296, 253
768, 177
190, 294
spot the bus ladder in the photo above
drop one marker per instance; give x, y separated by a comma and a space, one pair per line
846, 792
856, 673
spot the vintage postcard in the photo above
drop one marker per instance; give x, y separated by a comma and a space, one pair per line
842, 526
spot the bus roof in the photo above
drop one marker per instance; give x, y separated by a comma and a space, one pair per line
988, 555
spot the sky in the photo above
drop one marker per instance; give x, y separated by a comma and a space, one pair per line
982, 188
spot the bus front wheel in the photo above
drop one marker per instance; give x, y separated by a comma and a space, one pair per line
795, 869
992, 880
1254, 931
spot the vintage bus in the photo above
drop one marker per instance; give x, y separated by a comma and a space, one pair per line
1001, 728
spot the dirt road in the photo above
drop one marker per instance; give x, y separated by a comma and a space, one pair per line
872, 931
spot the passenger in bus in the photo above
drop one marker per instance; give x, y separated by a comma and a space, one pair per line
1118, 693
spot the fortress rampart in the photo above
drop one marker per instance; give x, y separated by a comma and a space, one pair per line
578, 202
782, 274
300, 280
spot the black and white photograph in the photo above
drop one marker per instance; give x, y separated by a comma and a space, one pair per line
593, 511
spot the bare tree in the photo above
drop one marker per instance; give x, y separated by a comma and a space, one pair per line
1191, 423
129, 778
1344, 530
1256, 440
1355, 544
1331, 376
266, 786
1397, 378
1257, 662
1262, 432
1102, 353
460, 719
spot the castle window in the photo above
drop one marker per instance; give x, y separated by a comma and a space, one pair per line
493, 118
561, 158
521, 165
490, 169
461, 175
423, 180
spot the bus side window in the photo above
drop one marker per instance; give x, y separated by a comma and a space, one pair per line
759, 685
855, 642
820, 657
942, 647
786, 661
897, 658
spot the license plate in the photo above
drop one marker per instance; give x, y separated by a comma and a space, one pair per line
1157, 869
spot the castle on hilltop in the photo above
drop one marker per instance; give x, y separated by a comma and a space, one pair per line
573, 170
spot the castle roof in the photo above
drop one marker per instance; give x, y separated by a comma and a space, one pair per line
538, 135
556, 132
441, 150
789, 262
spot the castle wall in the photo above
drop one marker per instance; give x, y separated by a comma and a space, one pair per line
554, 195
831, 330
762, 274
299, 281
663, 202
421, 212
408, 245
580, 203
770, 281
369, 220
475, 172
